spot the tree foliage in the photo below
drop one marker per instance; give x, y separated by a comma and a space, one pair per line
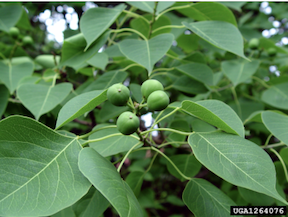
220, 142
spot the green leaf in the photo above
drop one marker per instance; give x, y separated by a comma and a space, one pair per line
143, 6
147, 53
4, 96
95, 21
206, 200
136, 91
161, 6
277, 124
79, 105
236, 160
234, 5
113, 145
11, 74
216, 113
105, 178
40, 99
65, 212
73, 54
92, 206
239, 71
109, 111
276, 96
9, 16
99, 60
186, 163
255, 198
197, 71
208, 11
39, 171
135, 180
24, 21
106, 80
188, 85
220, 34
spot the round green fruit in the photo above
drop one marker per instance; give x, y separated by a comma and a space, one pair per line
149, 87
14, 32
272, 51
254, 43
27, 40
127, 123
118, 94
158, 100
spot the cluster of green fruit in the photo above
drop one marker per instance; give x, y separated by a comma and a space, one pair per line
254, 44
14, 33
152, 92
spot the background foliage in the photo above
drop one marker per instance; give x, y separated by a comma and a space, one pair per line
220, 142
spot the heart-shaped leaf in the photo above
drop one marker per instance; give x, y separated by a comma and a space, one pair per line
220, 34
277, 124
239, 71
40, 99
39, 171
11, 74
216, 113
206, 200
276, 96
79, 105
147, 53
146, 6
105, 178
95, 21
9, 15
237, 160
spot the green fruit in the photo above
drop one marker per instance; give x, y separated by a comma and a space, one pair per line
149, 87
158, 100
27, 40
14, 32
254, 43
127, 123
272, 51
118, 94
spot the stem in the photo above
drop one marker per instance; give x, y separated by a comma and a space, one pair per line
168, 143
153, 20
151, 163
2, 55
168, 87
261, 81
130, 30
13, 50
236, 100
173, 8
132, 104
93, 131
156, 122
136, 15
169, 55
119, 26
282, 162
160, 73
166, 129
106, 137
273, 145
125, 157
129, 66
167, 158
54, 80
267, 140
168, 26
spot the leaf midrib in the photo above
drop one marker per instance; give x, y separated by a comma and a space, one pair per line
44, 102
37, 174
